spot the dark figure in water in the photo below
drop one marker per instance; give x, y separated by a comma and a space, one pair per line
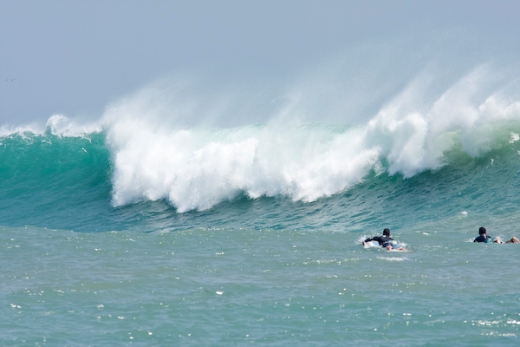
385, 241
484, 237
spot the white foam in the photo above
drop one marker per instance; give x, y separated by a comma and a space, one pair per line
414, 136
393, 258
198, 168
60, 125
33, 128
161, 150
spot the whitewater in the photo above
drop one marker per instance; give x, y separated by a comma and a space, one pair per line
156, 226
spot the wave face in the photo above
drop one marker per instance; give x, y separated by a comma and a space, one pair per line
54, 181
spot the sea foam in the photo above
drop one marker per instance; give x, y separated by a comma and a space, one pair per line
156, 155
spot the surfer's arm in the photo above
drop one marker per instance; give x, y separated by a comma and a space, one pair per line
367, 240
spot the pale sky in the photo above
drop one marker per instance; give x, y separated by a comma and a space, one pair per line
75, 57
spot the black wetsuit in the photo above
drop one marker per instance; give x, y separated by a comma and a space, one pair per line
383, 240
482, 238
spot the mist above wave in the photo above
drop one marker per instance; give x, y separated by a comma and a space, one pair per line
162, 150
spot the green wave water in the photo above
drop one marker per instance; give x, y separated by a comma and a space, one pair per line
49, 181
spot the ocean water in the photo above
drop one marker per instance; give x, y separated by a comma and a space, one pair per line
135, 230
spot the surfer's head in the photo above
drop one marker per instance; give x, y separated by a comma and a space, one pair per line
386, 232
481, 230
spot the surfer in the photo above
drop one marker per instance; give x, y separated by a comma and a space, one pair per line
385, 241
484, 237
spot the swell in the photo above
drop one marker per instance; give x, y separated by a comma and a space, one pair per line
62, 182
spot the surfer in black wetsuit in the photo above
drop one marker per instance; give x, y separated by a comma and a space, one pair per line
485, 238
385, 241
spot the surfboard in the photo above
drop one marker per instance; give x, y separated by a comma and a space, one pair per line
371, 244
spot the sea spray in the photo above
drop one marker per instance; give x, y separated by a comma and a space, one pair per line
197, 167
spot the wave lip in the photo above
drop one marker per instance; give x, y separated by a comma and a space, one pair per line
57, 125
415, 136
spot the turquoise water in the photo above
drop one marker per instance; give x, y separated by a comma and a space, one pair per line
252, 235
270, 287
